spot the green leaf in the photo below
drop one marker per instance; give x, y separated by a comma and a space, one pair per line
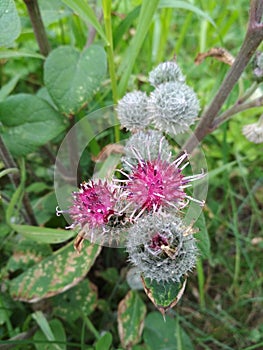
104, 342
28, 122
110, 275
82, 8
202, 237
148, 9
15, 203
41, 320
164, 295
45, 207
43, 234
5, 54
53, 11
9, 87
50, 333
160, 334
55, 274
10, 27
131, 314
8, 171
73, 77
125, 25
79, 300
186, 6
26, 254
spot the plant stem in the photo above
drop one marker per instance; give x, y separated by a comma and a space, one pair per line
38, 26
93, 31
253, 38
15, 179
108, 30
236, 109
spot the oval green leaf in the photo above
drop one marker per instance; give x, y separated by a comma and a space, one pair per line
43, 234
73, 77
28, 122
62, 270
10, 27
131, 314
165, 335
164, 295
104, 343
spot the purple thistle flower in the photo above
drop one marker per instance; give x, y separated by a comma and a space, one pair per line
96, 209
94, 204
156, 184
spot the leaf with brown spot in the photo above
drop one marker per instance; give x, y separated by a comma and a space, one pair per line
26, 254
218, 53
81, 299
131, 314
57, 273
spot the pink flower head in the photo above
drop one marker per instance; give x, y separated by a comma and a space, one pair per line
158, 241
93, 204
156, 184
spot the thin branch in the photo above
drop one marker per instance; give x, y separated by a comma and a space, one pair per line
92, 31
236, 109
253, 38
38, 26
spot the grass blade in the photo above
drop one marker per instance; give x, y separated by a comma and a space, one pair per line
186, 6
82, 8
145, 19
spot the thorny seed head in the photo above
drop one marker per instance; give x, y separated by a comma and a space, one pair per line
173, 106
165, 72
254, 132
161, 247
132, 110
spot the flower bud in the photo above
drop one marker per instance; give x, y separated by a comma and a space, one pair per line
165, 72
173, 107
148, 145
132, 110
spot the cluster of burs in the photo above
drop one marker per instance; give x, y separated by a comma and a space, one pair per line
142, 208
158, 243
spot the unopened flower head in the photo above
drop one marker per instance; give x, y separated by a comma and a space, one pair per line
173, 106
254, 132
132, 110
155, 184
165, 72
258, 66
150, 144
96, 210
161, 247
